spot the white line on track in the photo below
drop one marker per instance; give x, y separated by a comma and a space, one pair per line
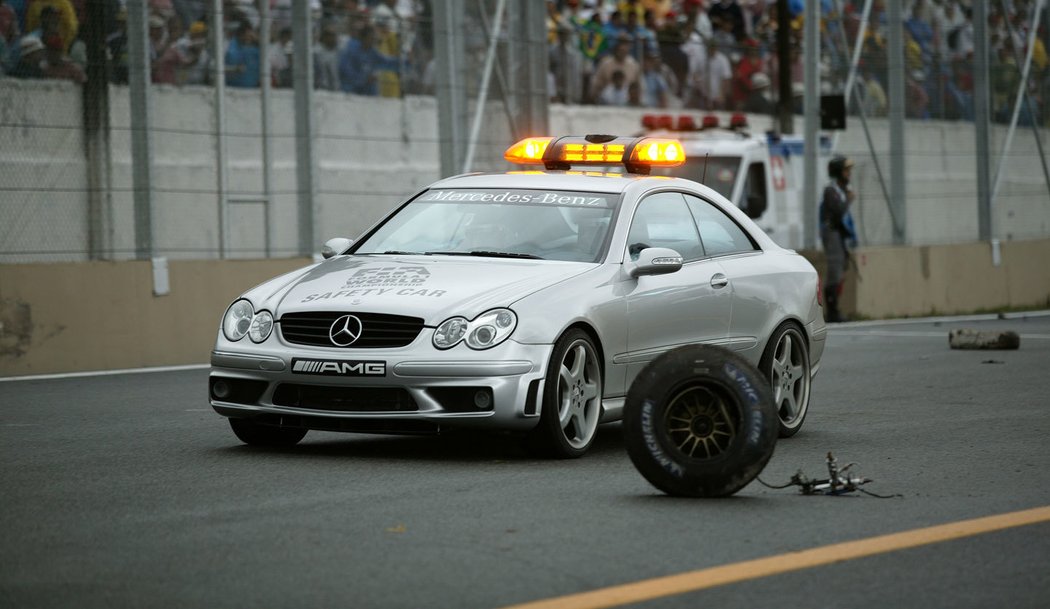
899, 334
943, 319
71, 375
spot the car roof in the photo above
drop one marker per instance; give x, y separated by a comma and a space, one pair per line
579, 180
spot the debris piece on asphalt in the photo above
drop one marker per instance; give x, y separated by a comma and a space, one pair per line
993, 361
974, 339
838, 482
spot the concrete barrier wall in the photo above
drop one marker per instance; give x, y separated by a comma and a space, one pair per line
948, 279
103, 315
371, 153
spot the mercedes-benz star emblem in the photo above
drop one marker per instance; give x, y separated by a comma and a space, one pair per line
345, 331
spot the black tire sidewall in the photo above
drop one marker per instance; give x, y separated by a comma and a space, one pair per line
649, 445
255, 434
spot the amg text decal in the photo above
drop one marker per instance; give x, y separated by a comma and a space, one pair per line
338, 367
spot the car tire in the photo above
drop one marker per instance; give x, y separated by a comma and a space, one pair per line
254, 434
572, 399
699, 422
786, 364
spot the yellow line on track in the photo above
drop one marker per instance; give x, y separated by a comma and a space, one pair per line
670, 585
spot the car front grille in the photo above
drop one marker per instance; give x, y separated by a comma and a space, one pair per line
344, 399
378, 330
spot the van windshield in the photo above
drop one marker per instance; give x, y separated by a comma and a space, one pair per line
721, 172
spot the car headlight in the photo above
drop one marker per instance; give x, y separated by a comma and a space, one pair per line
450, 332
238, 320
261, 326
487, 330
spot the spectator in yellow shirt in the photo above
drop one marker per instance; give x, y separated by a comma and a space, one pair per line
67, 18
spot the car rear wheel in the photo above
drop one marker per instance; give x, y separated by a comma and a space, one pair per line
699, 422
572, 399
786, 364
254, 434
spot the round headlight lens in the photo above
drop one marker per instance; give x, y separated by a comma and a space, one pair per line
261, 326
238, 320
450, 332
491, 328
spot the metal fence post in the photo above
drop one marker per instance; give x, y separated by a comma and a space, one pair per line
811, 110
264, 119
898, 194
534, 15
981, 117
96, 135
450, 90
303, 79
219, 84
141, 144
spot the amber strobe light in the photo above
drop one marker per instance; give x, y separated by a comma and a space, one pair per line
528, 151
637, 154
658, 152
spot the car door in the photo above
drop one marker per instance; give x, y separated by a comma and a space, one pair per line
692, 305
753, 286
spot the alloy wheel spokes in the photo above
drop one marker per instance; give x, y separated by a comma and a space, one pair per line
699, 423
790, 376
579, 392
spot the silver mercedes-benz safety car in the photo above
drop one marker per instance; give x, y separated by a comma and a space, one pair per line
521, 301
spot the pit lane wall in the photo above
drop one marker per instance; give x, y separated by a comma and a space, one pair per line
66, 317
81, 316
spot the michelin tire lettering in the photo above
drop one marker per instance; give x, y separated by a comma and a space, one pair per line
755, 432
653, 443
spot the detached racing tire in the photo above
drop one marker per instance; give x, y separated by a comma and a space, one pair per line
699, 421
254, 434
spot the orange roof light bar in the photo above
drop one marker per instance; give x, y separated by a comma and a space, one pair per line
638, 155
592, 153
656, 152
528, 151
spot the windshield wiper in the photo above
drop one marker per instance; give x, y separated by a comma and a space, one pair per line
505, 255
401, 253
488, 254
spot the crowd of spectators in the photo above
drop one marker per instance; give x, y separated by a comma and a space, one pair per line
704, 54
367, 47
721, 54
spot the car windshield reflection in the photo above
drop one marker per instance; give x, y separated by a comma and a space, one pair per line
567, 226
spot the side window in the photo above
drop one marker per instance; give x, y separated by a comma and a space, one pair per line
755, 191
718, 232
663, 220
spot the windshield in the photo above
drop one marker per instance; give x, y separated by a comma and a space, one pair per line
570, 226
721, 172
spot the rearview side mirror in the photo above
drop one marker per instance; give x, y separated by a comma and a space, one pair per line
336, 246
655, 261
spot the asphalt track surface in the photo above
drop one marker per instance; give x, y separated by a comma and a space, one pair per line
126, 490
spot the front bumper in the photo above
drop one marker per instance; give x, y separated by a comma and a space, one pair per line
818, 336
421, 390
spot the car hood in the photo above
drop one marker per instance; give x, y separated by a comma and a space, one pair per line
431, 287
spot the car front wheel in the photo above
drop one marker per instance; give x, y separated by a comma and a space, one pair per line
786, 364
572, 399
254, 434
